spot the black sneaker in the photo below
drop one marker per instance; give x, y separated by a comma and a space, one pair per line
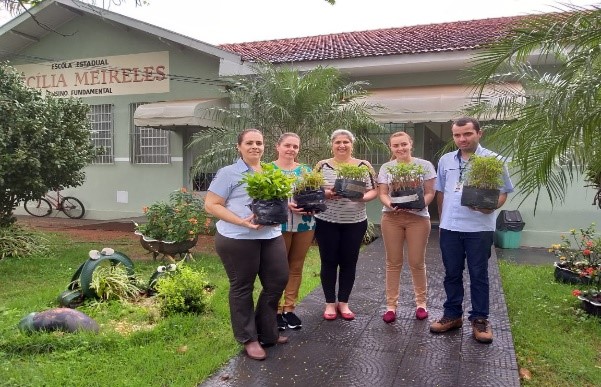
281, 322
292, 320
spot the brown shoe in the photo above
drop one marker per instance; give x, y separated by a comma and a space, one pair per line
279, 340
482, 330
282, 340
446, 324
254, 350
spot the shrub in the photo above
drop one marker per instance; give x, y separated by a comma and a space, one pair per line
484, 172
352, 171
113, 283
16, 241
184, 291
179, 220
309, 181
270, 183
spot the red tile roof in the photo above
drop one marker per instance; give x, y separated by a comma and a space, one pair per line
444, 37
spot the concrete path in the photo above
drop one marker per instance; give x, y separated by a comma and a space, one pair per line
368, 352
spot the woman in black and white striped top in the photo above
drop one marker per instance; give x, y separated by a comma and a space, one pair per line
340, 229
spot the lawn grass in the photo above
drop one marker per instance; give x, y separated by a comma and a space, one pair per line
553, 337
135, 346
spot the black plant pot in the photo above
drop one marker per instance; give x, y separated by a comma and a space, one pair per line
591, 307
568, 276
270, 212
311, 200
350, 189
411, 198
480, 198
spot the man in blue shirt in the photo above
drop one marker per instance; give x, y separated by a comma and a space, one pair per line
466, 233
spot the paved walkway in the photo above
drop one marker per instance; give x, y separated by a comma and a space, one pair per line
368, 352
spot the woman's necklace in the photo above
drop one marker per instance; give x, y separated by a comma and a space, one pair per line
289, 167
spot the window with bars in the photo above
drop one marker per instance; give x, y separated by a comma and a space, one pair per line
101, 128
379, 155
148, 145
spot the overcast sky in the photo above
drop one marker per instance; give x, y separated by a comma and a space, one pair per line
234, 21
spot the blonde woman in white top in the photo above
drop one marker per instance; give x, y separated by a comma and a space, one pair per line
400, 227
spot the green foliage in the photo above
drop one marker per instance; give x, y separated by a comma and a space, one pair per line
406, 175
16, 241
47, 137
484, 172
279, 99
352, 171
593, 173
181, 219
580, 252
551, 126
184, 291
309, 180
270, 183
113, 283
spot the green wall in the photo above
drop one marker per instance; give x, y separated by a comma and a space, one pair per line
87, 37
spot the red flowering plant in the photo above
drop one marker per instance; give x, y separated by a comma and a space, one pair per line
179, 220
579, 251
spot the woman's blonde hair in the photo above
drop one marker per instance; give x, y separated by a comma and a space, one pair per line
399, 134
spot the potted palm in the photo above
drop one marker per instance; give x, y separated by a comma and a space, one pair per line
350, 180
483, 179
406, 187
269, 190
308, 192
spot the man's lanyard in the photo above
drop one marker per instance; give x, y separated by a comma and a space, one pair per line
462, 168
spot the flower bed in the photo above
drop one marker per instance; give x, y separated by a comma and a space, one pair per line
181, 219
579, 262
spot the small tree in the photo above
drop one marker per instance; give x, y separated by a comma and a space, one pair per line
44, 143
553, 134
276, 100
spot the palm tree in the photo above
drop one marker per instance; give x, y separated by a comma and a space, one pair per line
281, 99
553, 134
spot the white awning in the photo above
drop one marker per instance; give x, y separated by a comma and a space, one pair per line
430, 103
196, 112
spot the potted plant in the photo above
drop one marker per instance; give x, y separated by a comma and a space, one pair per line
308, 192
172, 227
590, 298
350, 180
406, 187
483, 179
269, 190
578, 256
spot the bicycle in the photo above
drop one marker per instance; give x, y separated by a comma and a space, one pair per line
72, 207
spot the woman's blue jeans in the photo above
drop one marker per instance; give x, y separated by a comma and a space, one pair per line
457, 248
